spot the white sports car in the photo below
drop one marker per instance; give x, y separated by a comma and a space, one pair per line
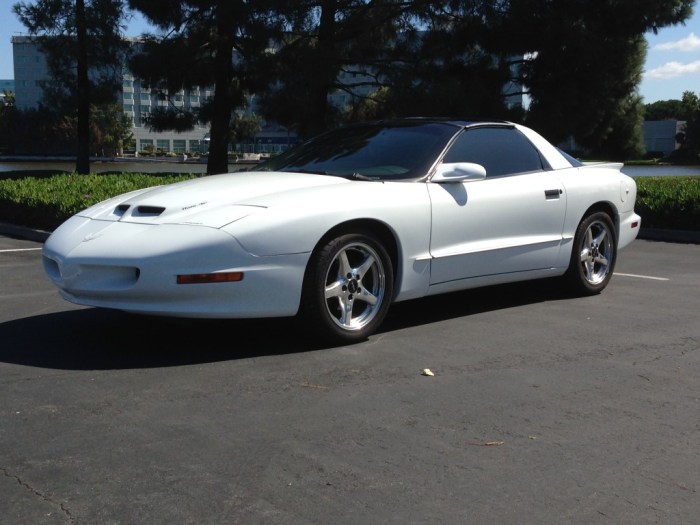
337, 229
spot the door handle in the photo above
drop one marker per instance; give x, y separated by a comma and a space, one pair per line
552, 194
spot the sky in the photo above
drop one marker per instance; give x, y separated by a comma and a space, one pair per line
672, 65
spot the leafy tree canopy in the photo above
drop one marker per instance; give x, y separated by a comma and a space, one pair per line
211, 43
579, 64
585, 60
665, 110
690, 138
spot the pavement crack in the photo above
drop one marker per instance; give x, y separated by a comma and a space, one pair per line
39, 494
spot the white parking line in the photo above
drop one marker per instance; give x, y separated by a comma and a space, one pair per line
20, 250
643, 276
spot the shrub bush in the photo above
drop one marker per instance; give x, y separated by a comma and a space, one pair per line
669, 202
44, 202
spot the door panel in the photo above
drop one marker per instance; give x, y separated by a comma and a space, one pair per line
495, 226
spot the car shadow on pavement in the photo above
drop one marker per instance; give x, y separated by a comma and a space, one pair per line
98, 339
442, 307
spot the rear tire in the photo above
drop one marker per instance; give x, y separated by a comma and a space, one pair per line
348, 288
593, 255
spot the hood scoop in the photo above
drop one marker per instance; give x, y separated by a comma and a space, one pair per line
139, 211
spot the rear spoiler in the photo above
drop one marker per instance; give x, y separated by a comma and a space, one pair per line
612, 165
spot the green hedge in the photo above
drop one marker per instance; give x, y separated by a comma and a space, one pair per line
44, 202
669, 202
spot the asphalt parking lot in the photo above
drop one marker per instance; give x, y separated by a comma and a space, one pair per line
543, 409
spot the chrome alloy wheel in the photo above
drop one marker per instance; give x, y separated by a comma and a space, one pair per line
597, 252
355, 286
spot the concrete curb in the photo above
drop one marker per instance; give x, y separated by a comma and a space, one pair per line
648, 234
23, 232
677, 236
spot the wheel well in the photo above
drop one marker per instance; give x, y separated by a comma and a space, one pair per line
610, 210
377, 228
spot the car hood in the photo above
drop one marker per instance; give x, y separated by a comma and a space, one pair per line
213, 201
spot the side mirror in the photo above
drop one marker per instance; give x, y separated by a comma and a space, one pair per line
459, 172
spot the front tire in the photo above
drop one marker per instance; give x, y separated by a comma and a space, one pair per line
593, 255
348, 288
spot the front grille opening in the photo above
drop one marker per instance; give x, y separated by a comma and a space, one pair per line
121, 209
52, 269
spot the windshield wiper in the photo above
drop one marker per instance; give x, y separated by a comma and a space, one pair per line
353, 176
360, 176
312, 172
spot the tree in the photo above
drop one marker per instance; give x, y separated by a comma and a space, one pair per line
37, 131
664, 110
7, 100
584, 63
8, 115
111, 129
625, 138
208, 43
322, 40
244, 127
690, 139
447, 65
687, 110
84, 51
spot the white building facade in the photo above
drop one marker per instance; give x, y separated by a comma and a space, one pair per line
137, 101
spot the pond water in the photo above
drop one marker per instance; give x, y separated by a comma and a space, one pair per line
201, 167
657, 171
104, 166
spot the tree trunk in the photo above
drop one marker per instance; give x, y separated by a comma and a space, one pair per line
326, 70
83, 89
220, 133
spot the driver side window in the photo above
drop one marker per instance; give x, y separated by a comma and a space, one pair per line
502, 151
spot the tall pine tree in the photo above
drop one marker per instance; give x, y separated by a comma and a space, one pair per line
206, 43
85, 53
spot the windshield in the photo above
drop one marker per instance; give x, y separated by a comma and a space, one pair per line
382, 151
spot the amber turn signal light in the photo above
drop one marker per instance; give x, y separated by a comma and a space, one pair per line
201, 278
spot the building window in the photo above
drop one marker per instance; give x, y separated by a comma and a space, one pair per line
146, 145
163, 144
179, 145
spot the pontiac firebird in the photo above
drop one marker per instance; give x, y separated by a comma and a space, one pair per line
337, 229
